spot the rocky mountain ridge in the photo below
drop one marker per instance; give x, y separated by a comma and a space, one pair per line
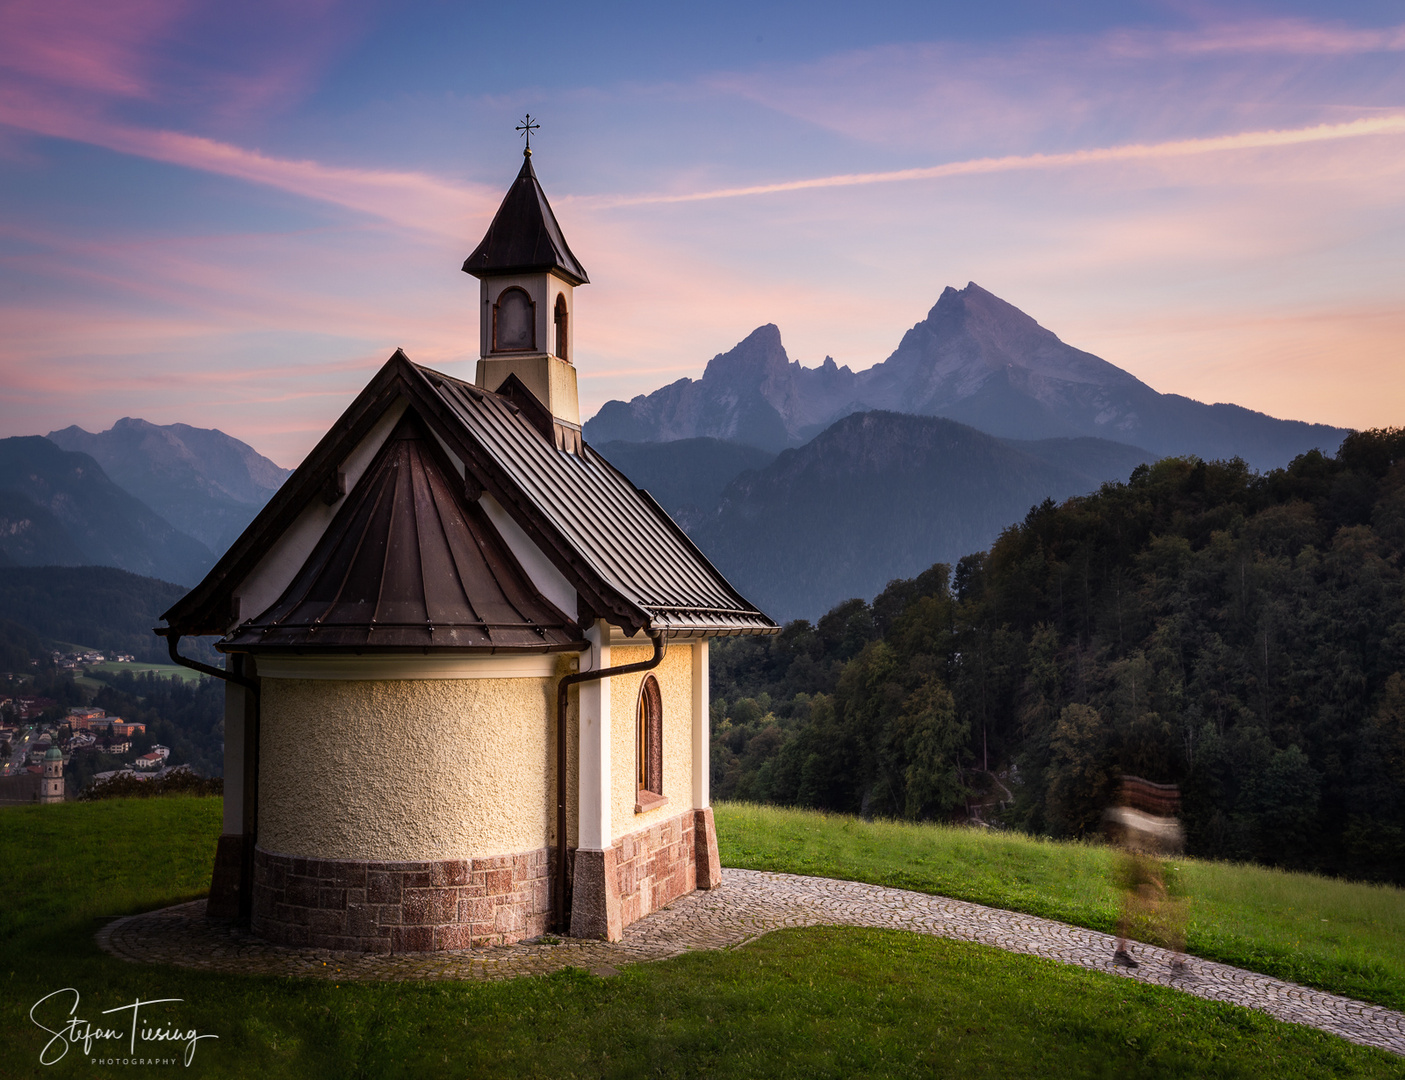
975, 358
160, 501
58, 508
206, 483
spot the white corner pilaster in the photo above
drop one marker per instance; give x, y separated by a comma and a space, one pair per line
594, 755
702, 738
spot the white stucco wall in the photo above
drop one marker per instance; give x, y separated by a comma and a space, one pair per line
407, 769
675, 676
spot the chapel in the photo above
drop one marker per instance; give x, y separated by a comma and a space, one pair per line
466, 660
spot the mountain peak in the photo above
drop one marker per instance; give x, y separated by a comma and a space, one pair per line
983, 308
752, 359
205, 482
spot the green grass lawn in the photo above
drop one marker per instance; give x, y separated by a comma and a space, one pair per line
813, 1003
165, 671
1345, 937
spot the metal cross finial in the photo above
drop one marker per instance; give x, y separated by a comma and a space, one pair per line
527, 127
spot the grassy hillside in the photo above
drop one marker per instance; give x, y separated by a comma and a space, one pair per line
814, 1003
1341, 936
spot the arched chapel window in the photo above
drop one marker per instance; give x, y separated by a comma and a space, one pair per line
514, 322
561, 317
649, 768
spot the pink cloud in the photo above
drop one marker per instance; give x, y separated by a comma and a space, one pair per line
1389, 125
1299, 37
211, 63
1054, 92
269, 337
412, 200
77, 44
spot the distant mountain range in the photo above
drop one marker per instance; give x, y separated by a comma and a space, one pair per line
979, 414
686, 477
174, 498
60, 509
975, 359
882, 495
204, 482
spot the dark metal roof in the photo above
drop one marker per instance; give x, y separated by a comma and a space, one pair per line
627, 560
409, 563
624, 538
524, 237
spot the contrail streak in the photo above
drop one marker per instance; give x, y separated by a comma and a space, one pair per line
1249, 140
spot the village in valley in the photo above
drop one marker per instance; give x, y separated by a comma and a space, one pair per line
40, 738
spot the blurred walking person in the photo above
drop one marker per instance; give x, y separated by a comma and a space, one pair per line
1144, 827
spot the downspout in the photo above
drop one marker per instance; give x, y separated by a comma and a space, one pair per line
173, 637
567, 681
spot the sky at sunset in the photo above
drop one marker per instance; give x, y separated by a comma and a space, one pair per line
229, 215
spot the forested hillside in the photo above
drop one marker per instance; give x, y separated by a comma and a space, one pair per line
1240, 634
881, 495
98, 607
60, 509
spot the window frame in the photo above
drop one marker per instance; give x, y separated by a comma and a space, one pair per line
561, 318
531, 321
648, 745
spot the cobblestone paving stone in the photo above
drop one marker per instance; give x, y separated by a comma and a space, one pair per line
749, 903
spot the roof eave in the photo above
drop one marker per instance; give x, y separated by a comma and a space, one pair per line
537, 268
575, 646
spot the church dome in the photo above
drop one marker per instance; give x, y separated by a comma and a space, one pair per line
54, 754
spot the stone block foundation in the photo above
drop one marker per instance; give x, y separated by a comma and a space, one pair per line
394, 907
643, 872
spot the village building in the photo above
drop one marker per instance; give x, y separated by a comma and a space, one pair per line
81, 718
29, 708
467, 660
39, 783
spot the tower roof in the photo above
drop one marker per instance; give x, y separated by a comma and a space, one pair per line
54, 754
524, 237
410, 563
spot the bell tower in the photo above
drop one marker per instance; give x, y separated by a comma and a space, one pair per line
527, 279
52, 790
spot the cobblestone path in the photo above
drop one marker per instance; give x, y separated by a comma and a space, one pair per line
750, 903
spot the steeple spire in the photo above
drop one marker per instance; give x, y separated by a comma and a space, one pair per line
528, 276
524, 237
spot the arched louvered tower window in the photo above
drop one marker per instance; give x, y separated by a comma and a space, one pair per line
562, 317
514, 322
